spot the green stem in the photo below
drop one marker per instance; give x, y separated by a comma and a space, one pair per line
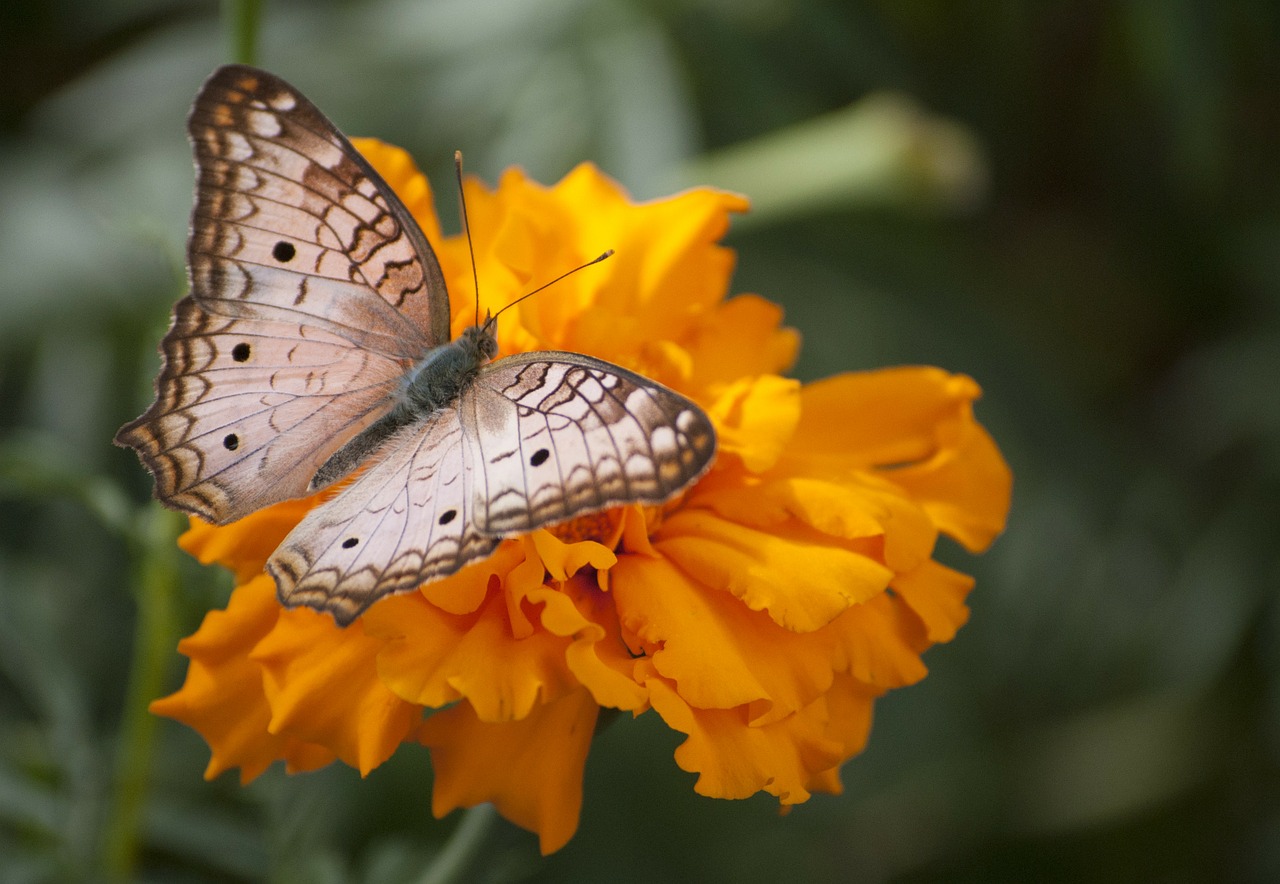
242, 18
463, 845
155, 634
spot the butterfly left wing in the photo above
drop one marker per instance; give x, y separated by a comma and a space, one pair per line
551, 436
406, 520
312, 292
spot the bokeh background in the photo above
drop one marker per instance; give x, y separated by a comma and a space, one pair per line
1078, 204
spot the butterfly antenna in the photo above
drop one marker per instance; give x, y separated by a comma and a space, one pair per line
546, 285
466, 228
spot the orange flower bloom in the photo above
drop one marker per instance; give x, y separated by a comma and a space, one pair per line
761, 614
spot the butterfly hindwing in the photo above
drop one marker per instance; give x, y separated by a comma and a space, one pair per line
555, 435
246, 410
404, 521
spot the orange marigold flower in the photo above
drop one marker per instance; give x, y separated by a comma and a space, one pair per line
761, 614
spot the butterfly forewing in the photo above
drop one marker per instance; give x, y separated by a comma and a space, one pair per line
555, 435
284, 189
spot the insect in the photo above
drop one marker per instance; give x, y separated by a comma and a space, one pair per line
315, 340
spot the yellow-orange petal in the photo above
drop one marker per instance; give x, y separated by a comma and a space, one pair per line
879, 642
924, 439
322, 685
531, 769
936, 594
734, 760
848, 707
966, 488
598, 656
718, 653
223, 698
802, 578
744, 337
562, 560
756, 419
668, 263
245, 545
879, 418
855, 507
465, 591
431, 658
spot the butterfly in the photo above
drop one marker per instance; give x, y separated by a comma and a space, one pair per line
315, 341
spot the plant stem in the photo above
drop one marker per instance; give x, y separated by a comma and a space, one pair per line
454, 861
242, 18
156, 581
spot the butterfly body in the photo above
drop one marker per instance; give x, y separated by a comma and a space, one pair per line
315, 342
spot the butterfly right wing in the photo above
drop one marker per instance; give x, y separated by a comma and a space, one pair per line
406, 520
312, 292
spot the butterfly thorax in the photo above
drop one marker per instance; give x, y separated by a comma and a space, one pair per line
435, 382
442, 375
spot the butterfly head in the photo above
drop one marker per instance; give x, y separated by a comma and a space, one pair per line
481, 340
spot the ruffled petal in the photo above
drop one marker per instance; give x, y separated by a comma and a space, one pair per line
879, 642
802, 578
223, 698
432, 658
859, 507
735, 760
717, 652
531, 768
936, 594
923, 439
598, 656
759, 344
848, 707
756, 419
244, 546
322, 684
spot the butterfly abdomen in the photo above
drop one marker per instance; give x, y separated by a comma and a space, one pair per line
435, 382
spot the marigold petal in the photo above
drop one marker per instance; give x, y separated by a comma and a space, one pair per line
563, 560
878, 418
322, 684
245, 545
860, 506
756, 418
717, 652
848, 707
734, 760
803, 579
924, 439
936, 594
668, 267
531, 769
965, 488
465, 591
430, 657
880, 641
223, 698
758, 343
598, 656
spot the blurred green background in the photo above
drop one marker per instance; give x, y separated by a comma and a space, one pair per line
1077, 204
